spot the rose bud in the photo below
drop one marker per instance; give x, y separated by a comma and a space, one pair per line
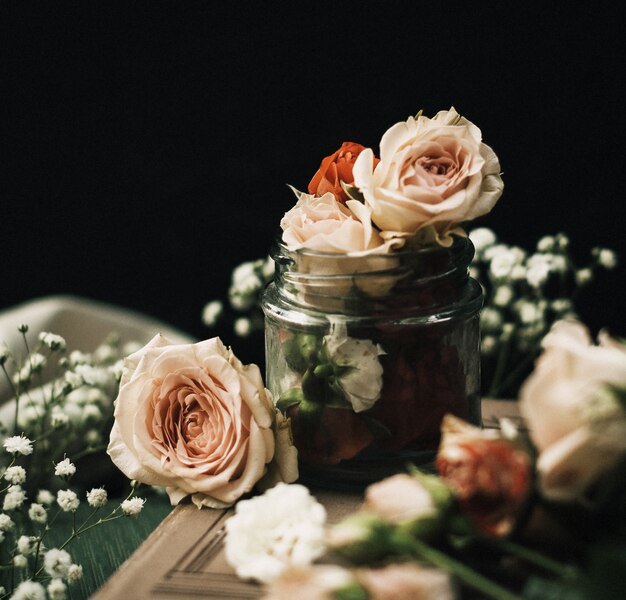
490, 477
416, 502
361, 538
334, 170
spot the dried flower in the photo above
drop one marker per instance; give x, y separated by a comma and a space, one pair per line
132, 506
68, 500
37, 513
57, 562
97, 497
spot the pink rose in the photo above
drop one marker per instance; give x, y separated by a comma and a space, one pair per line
575, 421
433, 173
193, 418
406, 582
319, 582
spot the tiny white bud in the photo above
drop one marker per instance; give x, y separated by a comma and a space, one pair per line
20, 562
243, 327
212, 312
546, 244
584, 276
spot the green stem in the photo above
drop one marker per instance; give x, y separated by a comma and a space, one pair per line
536, 558
466, 574
495, 392
503, 356
88, 451
16, 394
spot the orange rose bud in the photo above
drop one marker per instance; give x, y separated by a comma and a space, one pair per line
334, 169
489, 476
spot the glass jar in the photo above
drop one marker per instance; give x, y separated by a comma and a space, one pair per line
367, 354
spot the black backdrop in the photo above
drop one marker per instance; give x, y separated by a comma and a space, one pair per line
148, 144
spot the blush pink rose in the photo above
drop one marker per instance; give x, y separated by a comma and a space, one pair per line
433, 173
406, 581
194, 419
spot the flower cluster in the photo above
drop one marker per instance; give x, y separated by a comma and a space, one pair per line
416, 533
525, 293
29, 569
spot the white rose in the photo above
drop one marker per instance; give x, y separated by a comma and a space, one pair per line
578, 428
193, 418
432, 172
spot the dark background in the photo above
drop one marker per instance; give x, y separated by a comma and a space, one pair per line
147, 145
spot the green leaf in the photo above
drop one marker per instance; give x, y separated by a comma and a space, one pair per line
353, 192
291, 397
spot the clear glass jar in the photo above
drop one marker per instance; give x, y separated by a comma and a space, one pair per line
367, 354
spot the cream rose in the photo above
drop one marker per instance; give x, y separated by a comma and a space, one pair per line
433, 173
576, 423
193, 418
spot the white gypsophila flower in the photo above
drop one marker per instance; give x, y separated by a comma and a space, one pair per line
132, 506
538, 274
492, 251
2, 538
73, 379
97, 497
518, 273
91, 414
117, 368
362, 379
490, 319
26, 545
37, 513
29, 590
78, 358
507, 332
6, 523
584, 276
562, 241
74, 573
106, 353
2, 591
530, 312
546, 244
502, 295
268, 268
130, 347
45, 497
34, 363
57, 562
245, 278
52, 341
562, 306
20, 562
15, 474
488, 345
68, 500
18, 444
64, 468
212, 312
58, 418
482, 238
93, 437
29, 414
606, 258
56, 589
94, 375
502, 264
242, 327
241, 302
14, 498
268, 533
474, 272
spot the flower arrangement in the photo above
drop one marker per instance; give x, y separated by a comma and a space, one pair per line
419, 534
59, 416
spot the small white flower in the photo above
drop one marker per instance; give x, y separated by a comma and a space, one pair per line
93, 437
530, 312
362, 380
2, 538
26, 545
37, 513
52, 341
18, 444
268, 268
132, 506
268, 533
518, 273
56, 589
507, 332
606, 258
74, 379
212, 312
97, 497
492, 251
131, 347
502, 295
474, 272
538, 274
503, 263
242, 327
68, 500
482, 238
93, 375
64, 468
29, 415
561, 241
584, 276
488, 345
92, 414
546, 244
74, 573
20, 562
105, 354
58, 418
57, 562
14, 498
6, 523
490, 319
45, 497
15, 474
29, 590
117, 369
78, 358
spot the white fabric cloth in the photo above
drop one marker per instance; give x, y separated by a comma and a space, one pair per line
84, 324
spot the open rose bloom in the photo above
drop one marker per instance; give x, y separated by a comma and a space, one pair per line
194, 419
576, 422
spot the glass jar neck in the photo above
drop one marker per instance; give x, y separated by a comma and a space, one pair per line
424, 279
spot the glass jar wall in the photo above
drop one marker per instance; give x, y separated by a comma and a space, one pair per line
367, 354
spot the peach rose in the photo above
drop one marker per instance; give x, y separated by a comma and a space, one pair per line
575, 421
334, 169
193, 418
406, 581
433, 173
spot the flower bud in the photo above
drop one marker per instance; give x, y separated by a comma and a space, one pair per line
362, 538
